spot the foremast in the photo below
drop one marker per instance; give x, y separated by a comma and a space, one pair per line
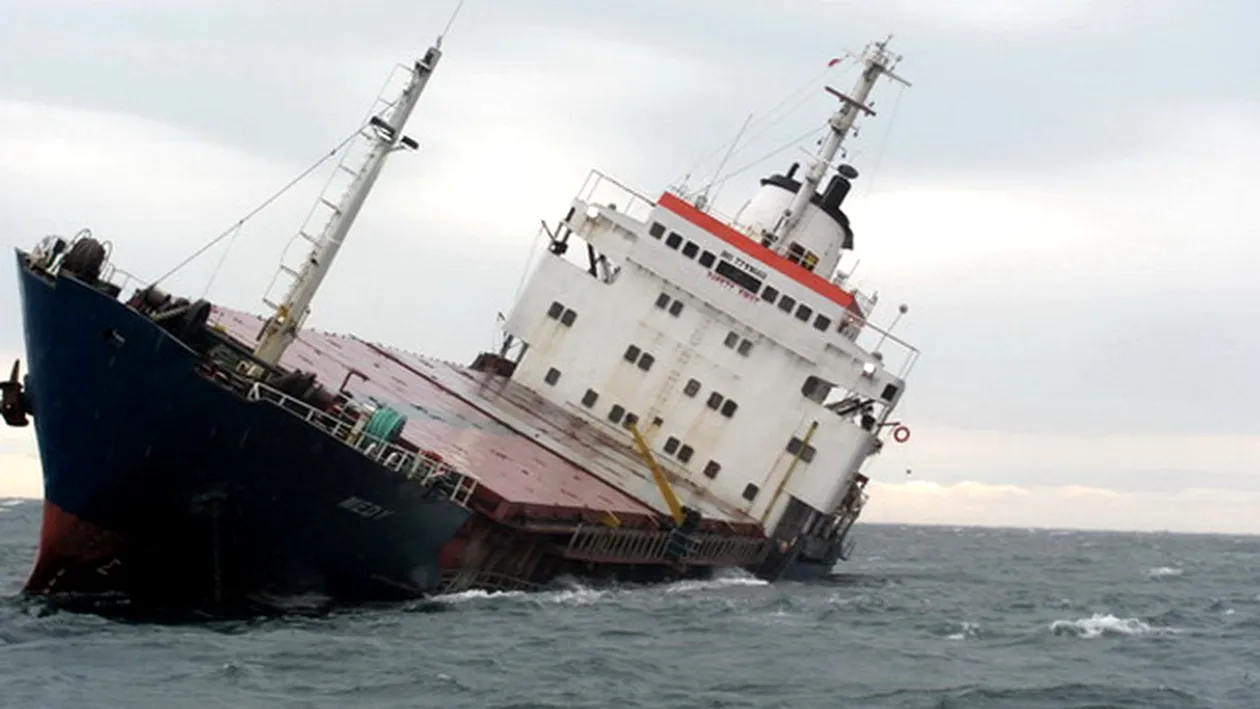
877, 62
386, 135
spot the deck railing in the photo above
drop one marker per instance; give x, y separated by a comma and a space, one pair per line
895, 354
439, 475
118, 277
608, 192
649, 546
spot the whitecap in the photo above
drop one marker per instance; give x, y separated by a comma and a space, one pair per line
572, 597
476, 594
726, 579
967, 629
1162, 572
1100, 624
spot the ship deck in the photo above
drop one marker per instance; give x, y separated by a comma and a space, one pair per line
539, 464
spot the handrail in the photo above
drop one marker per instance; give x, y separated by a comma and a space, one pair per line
598, 188
109, 272
439, 475
649, 546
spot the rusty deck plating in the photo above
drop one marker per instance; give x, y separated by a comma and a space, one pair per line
539, 465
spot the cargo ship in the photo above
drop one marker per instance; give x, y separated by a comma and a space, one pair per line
674, 392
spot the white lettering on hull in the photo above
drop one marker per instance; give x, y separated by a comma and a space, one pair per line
365, 509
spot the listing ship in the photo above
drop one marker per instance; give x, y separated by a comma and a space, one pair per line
675, 393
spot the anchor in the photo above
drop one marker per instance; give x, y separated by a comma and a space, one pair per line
13, 403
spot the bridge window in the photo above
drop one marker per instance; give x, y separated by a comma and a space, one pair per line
738, 276
803, 312
770, 293
732, 339
662, 301
750, 492
745, 346
673, 240
646, 361
692, 388
889, 393
685, 453
634, 355
690, 250
711, 469
552, 376
816, 389
567, 317
657, 230
715, 400
706, 259
729, 407
807, 451
822, 322
616, 413
671, 445
786, 303
555, 310
589, 398
675, 308
800, 255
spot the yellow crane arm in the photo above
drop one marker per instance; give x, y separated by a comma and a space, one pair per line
667, 491
791, 469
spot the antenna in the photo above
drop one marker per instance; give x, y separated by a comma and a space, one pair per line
877, 61
703, 200
446, 30
901, 310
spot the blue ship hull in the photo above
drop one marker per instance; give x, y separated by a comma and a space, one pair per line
165, 486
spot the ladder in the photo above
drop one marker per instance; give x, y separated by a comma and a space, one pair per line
675, 373
327, 205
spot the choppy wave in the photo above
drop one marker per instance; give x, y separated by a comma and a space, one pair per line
1100, 624
921, 617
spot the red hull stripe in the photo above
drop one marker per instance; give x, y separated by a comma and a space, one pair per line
810, 280
74, 554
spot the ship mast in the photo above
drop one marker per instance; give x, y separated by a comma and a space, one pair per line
877, 62
386, 136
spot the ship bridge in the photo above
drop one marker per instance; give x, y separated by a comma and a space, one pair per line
754, 378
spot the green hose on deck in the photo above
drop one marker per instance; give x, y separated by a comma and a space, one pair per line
385, 424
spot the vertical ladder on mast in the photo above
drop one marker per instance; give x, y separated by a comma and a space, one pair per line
381, 135
327, 206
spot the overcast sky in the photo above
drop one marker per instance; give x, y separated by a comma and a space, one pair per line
1058, 198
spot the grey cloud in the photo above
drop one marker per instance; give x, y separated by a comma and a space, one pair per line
1039, 347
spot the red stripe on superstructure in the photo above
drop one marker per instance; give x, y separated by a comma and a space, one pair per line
751, 248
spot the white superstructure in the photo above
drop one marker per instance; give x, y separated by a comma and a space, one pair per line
750, 370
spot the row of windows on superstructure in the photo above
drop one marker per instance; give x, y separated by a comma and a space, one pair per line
741, 345
733, 339
674, 447
715, 401
677, 448
636, 356
557, 311
748, 281
672, 305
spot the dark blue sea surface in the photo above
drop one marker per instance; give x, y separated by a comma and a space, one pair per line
922, 617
